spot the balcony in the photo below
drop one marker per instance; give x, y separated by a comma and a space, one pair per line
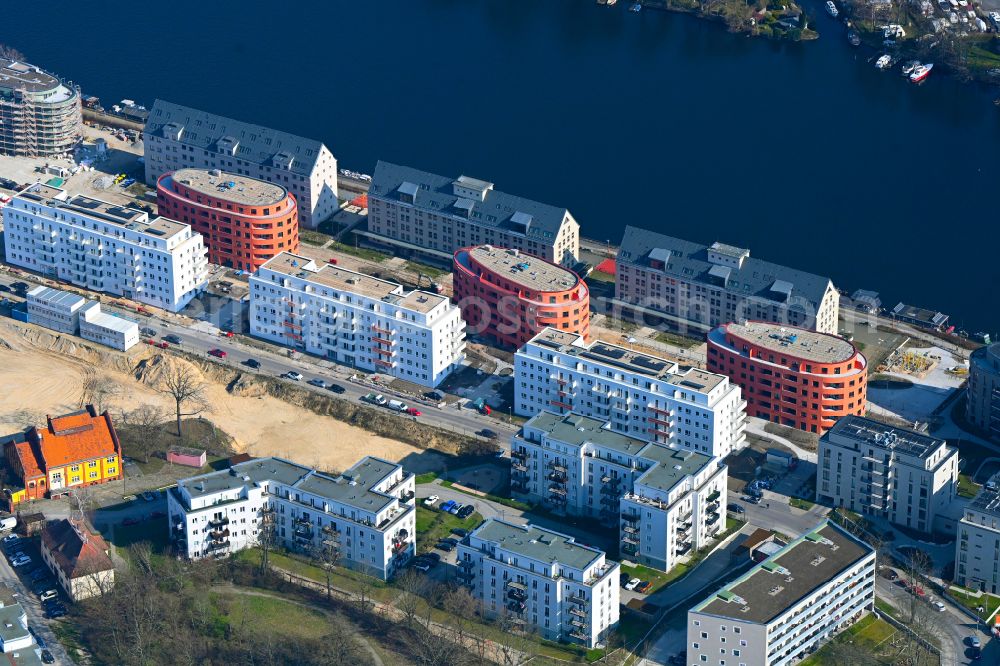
216, 535
519, 454
630, 539
557, 477
711, 519
611, 490
714, 496
631, 518
628, 529
609, 501
558, 467
578, 599
579, 636
519, 595
518, 486
557, 499
218, 522
514, 585
577, 612
683, 548
219, 545
557, 490
630, 549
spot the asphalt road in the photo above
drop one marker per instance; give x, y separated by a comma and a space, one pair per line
37, 621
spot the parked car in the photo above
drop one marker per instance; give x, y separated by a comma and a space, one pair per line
38, 574
294, 376
888, 573
975, 653
455, 509
252, 363
465, 511
450, 540
172, 339
735, 508
936, 603
446, 547
434, 395
623, 579
21, 561
488, 434
973, 641
48, 594
431, 501
413, 411
40, 586
460, 532
54, 612
336, 388
149, 332
9, 540
319, 383
644, 587
632, 583
47, 657
217, 353
447, 506
148, 496
433, 558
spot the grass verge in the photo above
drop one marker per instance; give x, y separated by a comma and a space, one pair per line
800, 503
989, 602
967, 487
433, 525
668, 338
360, 252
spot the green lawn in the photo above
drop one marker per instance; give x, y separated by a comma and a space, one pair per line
434, 525
799, 503
363, 253
971, 601
269, 615
427, 477
657, 578
966, 486
677, 340
429, 271
154, 531
600, 276
867, 634
342, 577
312, 237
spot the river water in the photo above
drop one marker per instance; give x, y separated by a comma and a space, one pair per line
802, 152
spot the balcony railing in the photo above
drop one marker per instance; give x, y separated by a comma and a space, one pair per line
218, 522
578, 599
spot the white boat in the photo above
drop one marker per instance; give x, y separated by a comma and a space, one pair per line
908, 67
884, 62
637, 7
831, 9
921, 72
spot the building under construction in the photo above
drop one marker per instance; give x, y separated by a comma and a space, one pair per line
40, 116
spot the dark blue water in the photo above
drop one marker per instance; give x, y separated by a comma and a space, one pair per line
802, 152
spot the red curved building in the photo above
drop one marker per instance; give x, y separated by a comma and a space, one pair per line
792, 376
244, 221
509, 296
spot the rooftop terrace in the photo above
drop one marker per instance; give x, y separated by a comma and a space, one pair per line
797, 342
230, 187
873, 434
20, 75
529, 273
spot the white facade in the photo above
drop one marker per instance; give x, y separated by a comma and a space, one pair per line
14, 634
787, 606
666, 501
366, 514
541, 581
897, 474
104, 247
54, 309
179, 137
642, 396
977, 549
356, 320
107, 329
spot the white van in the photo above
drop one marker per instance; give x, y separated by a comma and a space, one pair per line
397, 405
8, 523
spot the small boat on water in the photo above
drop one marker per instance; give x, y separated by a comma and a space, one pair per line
853, 38
831, 9
909, 66
611, 3
884, 62
921, 72
637, 7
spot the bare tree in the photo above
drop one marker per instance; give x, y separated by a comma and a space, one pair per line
182, 384
143, 429
326, 554
265, 538
514, 645
81, 499
410, 600
98, 390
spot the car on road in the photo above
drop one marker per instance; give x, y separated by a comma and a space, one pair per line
54, 612
252, 363
413, 411
750, 499
975, 653
48, 594
294, 376
973, 641
644, 587
434, 395
148, 496
465, 511
632, 583
172, 339
735, 508
47, 657
447, 506
217, 353
149, 332
936, 603
21, 561
163, 345
431, 501
158, 514
888, 573
317, 382
488, 434
460, 532
336, 388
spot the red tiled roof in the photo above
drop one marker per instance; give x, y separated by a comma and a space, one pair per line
29, 463
82, 435
76, 557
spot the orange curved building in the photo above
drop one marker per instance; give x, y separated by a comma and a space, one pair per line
244, 221
792, 376
509, 296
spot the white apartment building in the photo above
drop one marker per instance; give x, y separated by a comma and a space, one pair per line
897, 474
356, 320
788, 605
696, 287
179, 137
977, 549
107, 329
542, 581
425, 213
665, 500
54, 309
105, 247
366, 514
643, 396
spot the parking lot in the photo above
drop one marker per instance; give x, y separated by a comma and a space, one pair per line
37, 591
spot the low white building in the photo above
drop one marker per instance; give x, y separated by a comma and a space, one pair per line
977, 549
666, 501
107, 329
356, 320
105, 247
366, 515
643, 396
541, 581
14, 634
54, 309
897, 474
788, 605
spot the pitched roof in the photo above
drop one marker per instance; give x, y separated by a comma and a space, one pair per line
77, 555
495, 209
689, 261
253, 143
82, 435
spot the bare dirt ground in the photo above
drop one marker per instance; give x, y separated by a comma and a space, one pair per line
41, 373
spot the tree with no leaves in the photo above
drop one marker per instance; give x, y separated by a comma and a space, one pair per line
143, 427
182, 384
97, 390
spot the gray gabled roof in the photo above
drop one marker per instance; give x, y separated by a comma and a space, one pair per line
255, 143
436, 194
688, 261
